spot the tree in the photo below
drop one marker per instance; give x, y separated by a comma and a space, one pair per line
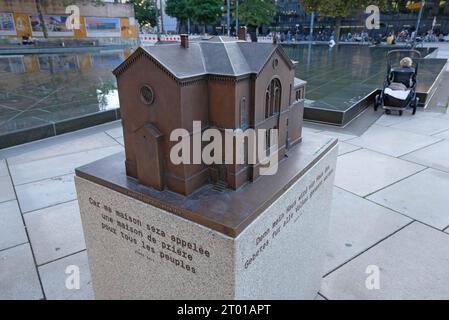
180, 9
338, 9
39, 5
256, 12
146, 11
206, 11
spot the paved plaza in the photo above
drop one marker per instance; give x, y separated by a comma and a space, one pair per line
390, 209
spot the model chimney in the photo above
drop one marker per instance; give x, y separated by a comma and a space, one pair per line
242, 33
185, 41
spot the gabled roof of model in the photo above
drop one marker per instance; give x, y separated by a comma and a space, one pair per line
215, 56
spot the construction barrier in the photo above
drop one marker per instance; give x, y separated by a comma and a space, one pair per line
151, 39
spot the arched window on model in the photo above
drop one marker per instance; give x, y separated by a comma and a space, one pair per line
267, 104
243, 114
273, 98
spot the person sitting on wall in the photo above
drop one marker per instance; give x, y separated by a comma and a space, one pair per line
390, 39
26, 39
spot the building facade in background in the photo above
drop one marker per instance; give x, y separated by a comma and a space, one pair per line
291, 16
20, 18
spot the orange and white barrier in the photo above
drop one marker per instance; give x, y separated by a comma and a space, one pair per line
152, 39
148, 39
265, 39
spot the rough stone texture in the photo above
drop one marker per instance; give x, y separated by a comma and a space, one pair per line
123, 270
54, 277
413, 264
291, 265
18, 276
288, 267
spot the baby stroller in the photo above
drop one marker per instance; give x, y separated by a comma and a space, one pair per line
399, 89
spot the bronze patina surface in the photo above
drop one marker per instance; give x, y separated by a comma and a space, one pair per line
221, 83
228, 212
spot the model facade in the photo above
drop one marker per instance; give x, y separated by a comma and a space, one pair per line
224, 84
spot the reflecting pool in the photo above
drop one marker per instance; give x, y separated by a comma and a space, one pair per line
340, 77
48, 94
43, 90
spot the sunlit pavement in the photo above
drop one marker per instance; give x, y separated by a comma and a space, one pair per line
390, 210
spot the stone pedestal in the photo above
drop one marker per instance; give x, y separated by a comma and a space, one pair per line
263, 241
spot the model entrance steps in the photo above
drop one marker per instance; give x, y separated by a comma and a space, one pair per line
220, 186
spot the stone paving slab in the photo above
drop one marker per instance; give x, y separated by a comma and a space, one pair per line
55, 232
344, 148
58, 146
443, 135
413, 264
6, 189
45, 193
389, 120
435, 156
3, 168
424, 125
116, 132
57, 166
54, 277
12, 230
18, 275
357, 224
363, 172
340, 136
391, 141
423, 197
308, 130
394, 119
120, 140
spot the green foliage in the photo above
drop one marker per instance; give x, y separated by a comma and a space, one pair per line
206, 11
256, 12
146, 11
180, 9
